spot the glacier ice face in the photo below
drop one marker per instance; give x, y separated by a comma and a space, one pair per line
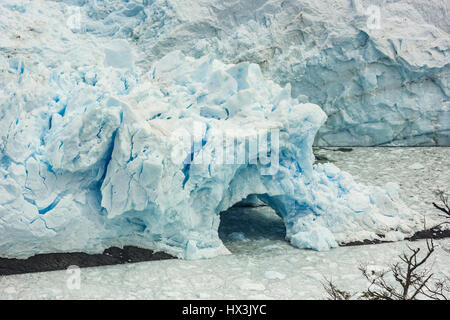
380, 71
383, 83
100, 149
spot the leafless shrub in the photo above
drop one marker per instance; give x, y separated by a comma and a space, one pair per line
412, 280
408, 279
334, 293
445, 206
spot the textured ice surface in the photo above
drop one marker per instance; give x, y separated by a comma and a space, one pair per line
91, 153
379, 69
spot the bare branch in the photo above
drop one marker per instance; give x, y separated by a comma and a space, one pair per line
408, 279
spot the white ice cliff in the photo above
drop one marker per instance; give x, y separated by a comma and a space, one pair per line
379, 69
110, 138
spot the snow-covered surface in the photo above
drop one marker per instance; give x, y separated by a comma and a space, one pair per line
96, 152
263, 265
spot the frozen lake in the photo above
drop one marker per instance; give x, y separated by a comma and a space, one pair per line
262, 264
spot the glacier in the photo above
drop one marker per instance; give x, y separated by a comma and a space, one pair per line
379, 69
137, 123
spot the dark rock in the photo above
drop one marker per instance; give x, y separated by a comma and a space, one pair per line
433, 233
344, 149
61, 261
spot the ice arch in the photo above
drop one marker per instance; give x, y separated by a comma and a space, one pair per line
145, 164
180, 202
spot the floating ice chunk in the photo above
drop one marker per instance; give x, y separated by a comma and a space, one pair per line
274, 275
416, 166
251, 286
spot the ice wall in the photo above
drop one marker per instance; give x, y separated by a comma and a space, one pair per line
93, 151
379, 69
